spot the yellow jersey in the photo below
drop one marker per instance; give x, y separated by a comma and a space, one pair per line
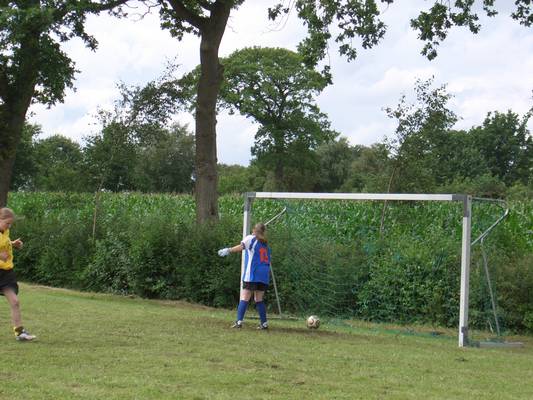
5, 245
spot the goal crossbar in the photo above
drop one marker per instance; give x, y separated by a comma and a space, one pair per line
357, 196
466, 200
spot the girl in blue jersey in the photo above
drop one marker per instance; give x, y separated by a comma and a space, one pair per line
256, 275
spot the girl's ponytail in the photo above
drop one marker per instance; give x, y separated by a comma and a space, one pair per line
260, 232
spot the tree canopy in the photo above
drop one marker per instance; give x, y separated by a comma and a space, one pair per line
275, 88
347, 22
33, 67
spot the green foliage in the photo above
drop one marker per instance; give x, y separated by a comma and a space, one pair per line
237, 179
420, 143
335, 159
512, 280
520, 191
355, 19
25, 167
369, 171
360, 19
434, 25
33, 66
146, 157
30, 47
412, 282
151, 105
275, 88
139, 148
481, 186
57, 243
506, 146
427, 155
166, 163
59, 165
111, 157
328, 257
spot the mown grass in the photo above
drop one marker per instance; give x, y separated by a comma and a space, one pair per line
95, 346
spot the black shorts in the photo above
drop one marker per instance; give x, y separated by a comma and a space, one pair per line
259, 286
8, 279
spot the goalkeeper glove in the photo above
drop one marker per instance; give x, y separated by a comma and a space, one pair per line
224, 252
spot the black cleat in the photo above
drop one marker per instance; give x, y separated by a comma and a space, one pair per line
263, 326
237, 325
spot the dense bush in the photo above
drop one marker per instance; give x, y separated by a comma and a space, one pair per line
330, 258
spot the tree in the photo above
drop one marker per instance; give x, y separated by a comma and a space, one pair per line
59, 165
25, 167
139, 148
336, 158
273, 87
208, 20
457, 157
117, 161
349, 19
276, 89
166, 164
236, 179
370, 170
506, 146
417, 147
33, 68
433, 25
359, 18
111, 157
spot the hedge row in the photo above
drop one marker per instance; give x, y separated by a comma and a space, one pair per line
329, 257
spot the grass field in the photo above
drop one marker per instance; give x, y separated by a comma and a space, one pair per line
94, 346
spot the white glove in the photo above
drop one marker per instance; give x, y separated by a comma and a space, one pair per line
224, 252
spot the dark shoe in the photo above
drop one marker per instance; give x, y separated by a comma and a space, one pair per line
237, 325
262, 326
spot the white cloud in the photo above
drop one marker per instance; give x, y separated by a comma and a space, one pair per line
235, 136
368, 134
400, 80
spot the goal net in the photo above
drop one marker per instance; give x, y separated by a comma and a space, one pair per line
404, 258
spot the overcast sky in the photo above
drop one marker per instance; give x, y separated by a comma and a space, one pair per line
490, 71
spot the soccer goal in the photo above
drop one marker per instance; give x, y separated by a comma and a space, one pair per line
466, 232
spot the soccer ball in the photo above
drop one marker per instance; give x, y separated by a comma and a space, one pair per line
313, 322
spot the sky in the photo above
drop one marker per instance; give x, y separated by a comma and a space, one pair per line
490, 71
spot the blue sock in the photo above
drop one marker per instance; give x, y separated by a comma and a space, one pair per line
241, 310
261, 309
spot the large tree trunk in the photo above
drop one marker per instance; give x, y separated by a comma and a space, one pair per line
6, 170
16, 98
11, 125
208, 88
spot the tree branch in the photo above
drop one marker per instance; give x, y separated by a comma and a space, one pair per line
185, 14
206, 5
90, 6
98, 7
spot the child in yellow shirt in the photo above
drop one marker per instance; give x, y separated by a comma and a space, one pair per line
8, 280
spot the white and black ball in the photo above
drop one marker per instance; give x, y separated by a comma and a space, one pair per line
313, 322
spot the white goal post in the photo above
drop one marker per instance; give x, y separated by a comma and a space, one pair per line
466, 233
